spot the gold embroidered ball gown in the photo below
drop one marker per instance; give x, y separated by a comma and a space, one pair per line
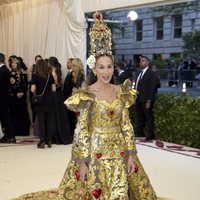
103, 139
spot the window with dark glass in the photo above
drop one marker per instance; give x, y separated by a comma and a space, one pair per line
175, 55
193, 25
177, 26
157, 56
159, 24
139, 30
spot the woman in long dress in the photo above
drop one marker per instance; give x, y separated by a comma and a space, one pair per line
74, 79
62, 126
18, 96
104, 163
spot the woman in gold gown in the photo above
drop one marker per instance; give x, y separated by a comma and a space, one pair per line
104, 163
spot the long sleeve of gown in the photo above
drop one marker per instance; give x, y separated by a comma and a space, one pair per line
128, 132
82, 138
80, 102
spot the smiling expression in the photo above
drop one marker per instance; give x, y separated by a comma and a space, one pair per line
104, 69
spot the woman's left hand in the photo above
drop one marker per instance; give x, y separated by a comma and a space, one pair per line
130, 165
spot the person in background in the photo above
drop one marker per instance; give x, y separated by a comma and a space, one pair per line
18, 96
23, 65
62, 126
68, 84
37, 58
77, 73
5, 120
74, 79
191, 71
122, 75
44, 111
146, 88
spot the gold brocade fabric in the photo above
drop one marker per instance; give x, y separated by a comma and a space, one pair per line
103, 138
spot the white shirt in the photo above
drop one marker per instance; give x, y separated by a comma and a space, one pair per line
141, 73
2, 64
121, 72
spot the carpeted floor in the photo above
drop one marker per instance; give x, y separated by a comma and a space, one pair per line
21, 141
173, 169
175, 148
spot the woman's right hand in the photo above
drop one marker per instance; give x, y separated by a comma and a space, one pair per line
83, 171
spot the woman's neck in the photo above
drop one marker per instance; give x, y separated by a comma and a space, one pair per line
103, 85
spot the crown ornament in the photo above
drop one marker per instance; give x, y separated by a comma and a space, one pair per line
100, 39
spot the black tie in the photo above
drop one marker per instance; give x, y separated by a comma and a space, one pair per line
139, 79
141, 73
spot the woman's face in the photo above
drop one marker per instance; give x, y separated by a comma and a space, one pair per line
104, 69
37, 59
14, 65
69, 64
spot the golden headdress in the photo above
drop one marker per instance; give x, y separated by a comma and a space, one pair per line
100, 39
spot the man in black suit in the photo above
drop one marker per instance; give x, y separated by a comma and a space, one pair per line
146, 88
68, 83
67, 91
122, 75
4, 103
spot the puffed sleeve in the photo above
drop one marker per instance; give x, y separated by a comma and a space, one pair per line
80, 102
128, 96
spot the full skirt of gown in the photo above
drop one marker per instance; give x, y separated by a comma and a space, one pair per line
71, 187
104, 144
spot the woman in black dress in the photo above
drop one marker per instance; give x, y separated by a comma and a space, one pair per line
18, 96
62, 127
44, 111
37, 57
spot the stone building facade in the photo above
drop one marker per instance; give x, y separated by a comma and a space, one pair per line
157, 33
